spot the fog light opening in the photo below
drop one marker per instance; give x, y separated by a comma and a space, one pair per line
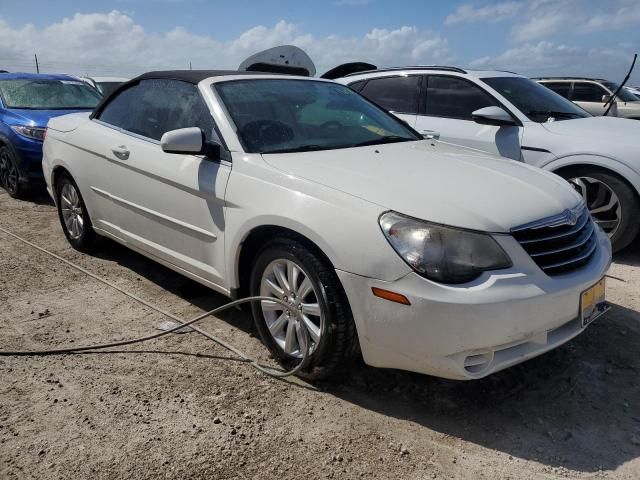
477, 363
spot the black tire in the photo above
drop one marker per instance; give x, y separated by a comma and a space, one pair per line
10, 175
338, 338
629, 225
87, 241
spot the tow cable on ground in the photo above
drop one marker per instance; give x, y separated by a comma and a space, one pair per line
182, 324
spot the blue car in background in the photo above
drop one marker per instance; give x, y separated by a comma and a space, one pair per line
27, 102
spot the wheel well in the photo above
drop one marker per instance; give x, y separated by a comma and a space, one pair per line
254, 243
57, 173
596, 168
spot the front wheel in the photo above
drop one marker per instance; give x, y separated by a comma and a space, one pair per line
287, 270
9, 175
611, 201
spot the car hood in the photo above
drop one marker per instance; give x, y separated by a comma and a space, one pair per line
38, 118
437, 182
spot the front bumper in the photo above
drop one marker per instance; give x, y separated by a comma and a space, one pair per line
472, 330
29, 156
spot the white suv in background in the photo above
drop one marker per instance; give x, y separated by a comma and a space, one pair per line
593, 94
510, 115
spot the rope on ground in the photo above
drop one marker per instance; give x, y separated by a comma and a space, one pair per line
300, 326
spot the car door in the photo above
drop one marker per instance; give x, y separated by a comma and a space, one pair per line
589, 95
169, 205
448, 104
399, 94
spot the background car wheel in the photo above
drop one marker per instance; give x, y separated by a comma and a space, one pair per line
9, 175
286, 269
73, 215
612, 203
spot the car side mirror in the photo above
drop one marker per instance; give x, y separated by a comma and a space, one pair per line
189, 141
606, 98
495, 116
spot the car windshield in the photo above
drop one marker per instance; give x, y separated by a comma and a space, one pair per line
107, 87
282, 115
624, 95
41, 94
537, 102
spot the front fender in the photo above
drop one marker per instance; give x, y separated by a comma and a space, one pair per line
344, 227
607, 163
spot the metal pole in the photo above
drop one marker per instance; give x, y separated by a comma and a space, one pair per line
37, 66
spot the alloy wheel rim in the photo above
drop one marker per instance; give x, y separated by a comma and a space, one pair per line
71, 211
288, 281
602, 202
8, 173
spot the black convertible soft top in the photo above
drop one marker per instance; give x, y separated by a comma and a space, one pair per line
189, 76
192, 76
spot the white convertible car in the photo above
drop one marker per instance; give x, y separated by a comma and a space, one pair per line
425, 256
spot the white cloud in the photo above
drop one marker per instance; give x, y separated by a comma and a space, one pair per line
549, 58
112, 44
623, 17
492, 13
545, 18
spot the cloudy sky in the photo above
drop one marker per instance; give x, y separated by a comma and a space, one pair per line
127, 37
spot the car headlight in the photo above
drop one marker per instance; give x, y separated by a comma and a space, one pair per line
442, 254
37, 133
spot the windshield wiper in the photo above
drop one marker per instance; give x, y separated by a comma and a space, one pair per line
303, 148
612, 100
551, 113
382, 140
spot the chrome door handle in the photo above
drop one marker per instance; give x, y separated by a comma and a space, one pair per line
430, 135
121, 152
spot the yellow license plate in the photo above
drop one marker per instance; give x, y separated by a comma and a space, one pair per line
593, 303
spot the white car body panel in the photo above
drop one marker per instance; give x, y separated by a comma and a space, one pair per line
380, 174
193, 215
503, 141
612, 143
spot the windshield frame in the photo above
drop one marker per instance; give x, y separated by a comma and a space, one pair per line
9, 106
220, 97
579, 111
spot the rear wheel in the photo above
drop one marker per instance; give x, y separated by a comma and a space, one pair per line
612, 202
9, 175
287, 270
73, 215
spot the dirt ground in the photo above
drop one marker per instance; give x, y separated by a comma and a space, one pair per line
181, 407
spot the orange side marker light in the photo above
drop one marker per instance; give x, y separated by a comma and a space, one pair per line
391, 296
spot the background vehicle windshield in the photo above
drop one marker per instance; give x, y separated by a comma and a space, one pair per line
275, 116
48, 94
107, 87
623, 94
537, 102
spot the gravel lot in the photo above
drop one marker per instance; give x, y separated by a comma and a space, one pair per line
181, 407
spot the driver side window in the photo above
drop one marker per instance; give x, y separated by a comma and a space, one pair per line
154, 107
588, 92
452, 97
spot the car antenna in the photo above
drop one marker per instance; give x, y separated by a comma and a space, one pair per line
611, 101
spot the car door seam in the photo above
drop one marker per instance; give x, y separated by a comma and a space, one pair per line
167, 219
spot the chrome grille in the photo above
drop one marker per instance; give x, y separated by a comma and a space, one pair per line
560, 244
